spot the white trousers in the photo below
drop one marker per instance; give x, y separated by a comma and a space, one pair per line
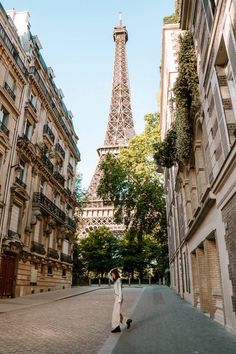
117, 316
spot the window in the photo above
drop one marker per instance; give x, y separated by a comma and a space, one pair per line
11, 82
15, 214
42, 186
33, 100
28, 130
65, 246
23, 171
64, 272
10, 86
50, 270
4, 116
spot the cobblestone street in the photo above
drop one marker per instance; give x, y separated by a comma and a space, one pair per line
79, 324
162, 324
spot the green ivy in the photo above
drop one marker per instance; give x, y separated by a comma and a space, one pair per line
174, 18
177, 145
186, 97
165, 151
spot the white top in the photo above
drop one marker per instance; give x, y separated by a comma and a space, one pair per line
117, 287
118, 290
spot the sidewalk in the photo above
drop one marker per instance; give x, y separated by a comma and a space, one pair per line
19, 303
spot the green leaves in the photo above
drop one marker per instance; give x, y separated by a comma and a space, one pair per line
186, 97
177, 145
131, 183
99, 251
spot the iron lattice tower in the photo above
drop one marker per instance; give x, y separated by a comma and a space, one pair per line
120, 130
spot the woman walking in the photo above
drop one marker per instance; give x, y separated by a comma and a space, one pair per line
117, 317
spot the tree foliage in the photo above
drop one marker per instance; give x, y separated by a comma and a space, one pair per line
99, 251
131, 183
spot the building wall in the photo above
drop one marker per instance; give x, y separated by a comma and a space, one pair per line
38, 157
201, 195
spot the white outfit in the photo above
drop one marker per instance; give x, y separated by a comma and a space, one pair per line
117, 317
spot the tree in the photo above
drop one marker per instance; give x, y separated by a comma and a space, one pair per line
99, 251
132, 184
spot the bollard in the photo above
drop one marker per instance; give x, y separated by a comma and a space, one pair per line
109, 281
150, 280
164, 281
129, 280
90, 282
99, 282
139, 282
160, 281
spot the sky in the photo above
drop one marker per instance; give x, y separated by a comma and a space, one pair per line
77, 41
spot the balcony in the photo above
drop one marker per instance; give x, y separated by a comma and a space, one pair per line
39, 199
37, 248
20, 182
66, 258
48, 132
9, 91
53, 253
6, 40
4, 129
71, 223
47, 163
60, 179
59, 149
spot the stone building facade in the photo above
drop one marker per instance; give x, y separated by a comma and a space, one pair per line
201, 195
38, 158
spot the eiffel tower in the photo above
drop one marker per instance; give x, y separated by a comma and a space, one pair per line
120, 130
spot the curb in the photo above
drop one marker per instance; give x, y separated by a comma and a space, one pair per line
82, 293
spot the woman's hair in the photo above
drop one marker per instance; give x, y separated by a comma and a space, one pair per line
115, 271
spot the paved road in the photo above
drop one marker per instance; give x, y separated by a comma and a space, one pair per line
162, 324
166, 324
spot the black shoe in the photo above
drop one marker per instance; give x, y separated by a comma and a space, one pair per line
128, 322
117, 329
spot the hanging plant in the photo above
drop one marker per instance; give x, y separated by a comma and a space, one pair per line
165, 152
186, 97
177, 145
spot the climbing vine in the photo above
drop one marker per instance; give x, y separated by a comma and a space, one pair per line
177, 146
165, 151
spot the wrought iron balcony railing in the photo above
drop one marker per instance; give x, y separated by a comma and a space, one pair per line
9, 91
66, 258
59, 149
70, 167
4, 129
37, 248
47, 131
47, 163
59, 178
6, 40
41, 200
20, 182
70, 222
53, 253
